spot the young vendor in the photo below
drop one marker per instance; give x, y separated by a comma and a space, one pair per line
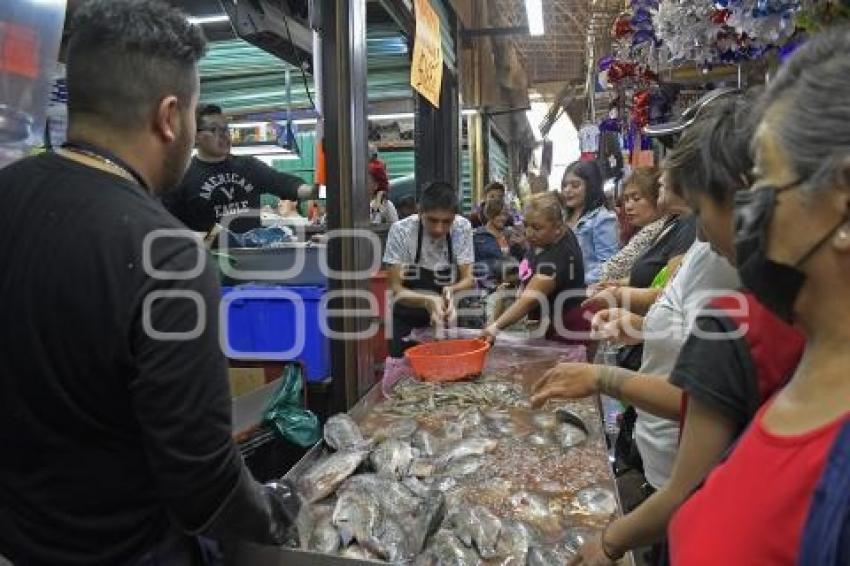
220, 188
429, 257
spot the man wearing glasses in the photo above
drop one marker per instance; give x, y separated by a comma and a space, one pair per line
220, 188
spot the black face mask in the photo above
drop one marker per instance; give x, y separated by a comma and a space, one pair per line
776, 285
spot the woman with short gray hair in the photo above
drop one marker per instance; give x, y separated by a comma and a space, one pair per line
783, 495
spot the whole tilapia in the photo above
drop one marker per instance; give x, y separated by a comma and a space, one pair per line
356, 515
477, 526
391, 541
568, 435
542, 556
446, 550
530, 506
468, 447
391, 459
324, 538
323, 478
595, 501
394, 497
462, 467
515, 538
357, 552
342, 433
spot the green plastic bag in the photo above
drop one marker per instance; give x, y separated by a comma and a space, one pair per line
661, 279
294, 423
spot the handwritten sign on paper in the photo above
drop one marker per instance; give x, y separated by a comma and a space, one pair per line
426, 71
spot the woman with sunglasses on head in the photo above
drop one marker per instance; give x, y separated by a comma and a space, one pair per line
783, 495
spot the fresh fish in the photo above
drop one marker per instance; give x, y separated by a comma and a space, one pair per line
566, 435
342, 433
425, 442
542, 556
391, 459
443, 483
446, 550
416, 487
323, 478
502, 429
391, 541
538, 440
478, 526
420, 468
544, 421
595, 501
530, 506
402, 429
574, 539
468, 447
514, 540
356, 515
324, 538
463, 466
392, 495
357, 552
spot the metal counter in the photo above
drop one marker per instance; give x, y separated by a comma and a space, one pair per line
527, 360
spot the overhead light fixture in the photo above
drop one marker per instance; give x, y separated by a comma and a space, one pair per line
265, 149
386, 117
214, 19
469, 112
534, 13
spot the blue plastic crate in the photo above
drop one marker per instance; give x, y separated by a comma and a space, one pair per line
276, 322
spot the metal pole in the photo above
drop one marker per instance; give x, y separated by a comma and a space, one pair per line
344, 98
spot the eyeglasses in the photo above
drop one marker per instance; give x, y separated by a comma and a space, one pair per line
216, 130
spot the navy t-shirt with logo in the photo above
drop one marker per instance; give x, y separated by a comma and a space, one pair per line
228, 193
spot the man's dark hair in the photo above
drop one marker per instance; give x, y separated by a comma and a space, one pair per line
712, 156
124, 56
207, 110
495, 186
438, 196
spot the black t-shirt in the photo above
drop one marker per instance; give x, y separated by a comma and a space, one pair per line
111, 435
719, 373
563, 261
213, 193
675, 239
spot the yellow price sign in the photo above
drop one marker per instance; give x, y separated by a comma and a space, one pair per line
426, 70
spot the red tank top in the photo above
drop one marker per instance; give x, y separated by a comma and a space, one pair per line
752, 508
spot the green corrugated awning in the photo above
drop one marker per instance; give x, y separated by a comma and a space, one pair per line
244, 79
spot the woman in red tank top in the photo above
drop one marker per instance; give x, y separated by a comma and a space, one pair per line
793, 253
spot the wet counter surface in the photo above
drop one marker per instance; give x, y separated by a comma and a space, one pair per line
516, 485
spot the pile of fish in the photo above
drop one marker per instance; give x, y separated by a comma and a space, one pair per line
414, 492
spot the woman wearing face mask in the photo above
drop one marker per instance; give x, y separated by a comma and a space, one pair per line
782, 496
556, 262
723, 381
640, 204
594, 225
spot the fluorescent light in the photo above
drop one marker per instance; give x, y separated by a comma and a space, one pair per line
399, 116
249, 124
268, 149
305, 121
270, 159
215, 19
534, 12
469, 112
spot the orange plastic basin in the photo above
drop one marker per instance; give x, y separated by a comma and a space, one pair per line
448, 360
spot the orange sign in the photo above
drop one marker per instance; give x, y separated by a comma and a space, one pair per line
426, 71
18, 50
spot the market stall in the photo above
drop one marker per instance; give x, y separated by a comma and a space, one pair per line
466, 471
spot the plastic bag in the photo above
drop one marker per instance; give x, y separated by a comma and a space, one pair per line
285, 411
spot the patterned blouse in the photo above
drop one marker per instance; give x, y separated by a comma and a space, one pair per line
620, 265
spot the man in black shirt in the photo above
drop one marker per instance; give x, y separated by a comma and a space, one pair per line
220, 188
115, 409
